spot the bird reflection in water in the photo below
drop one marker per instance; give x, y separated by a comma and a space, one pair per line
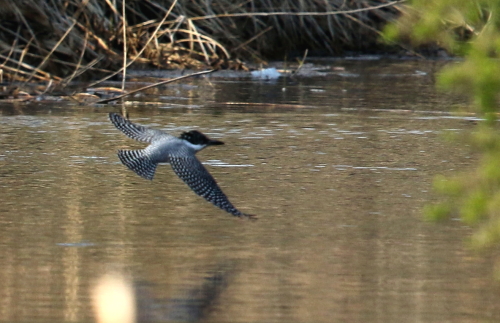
116, 299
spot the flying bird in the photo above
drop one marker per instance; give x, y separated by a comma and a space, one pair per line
180, 153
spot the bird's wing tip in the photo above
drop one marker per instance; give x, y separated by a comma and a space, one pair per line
113, 116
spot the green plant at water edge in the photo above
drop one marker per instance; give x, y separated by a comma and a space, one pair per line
468, 28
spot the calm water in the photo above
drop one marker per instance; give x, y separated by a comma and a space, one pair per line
337, 167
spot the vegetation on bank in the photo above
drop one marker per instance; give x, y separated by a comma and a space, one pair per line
60, 40
470, 28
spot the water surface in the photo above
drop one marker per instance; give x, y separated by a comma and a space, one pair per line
337, 167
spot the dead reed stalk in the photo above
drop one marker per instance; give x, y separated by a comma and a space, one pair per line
60, 40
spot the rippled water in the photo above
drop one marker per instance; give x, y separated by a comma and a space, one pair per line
337, 167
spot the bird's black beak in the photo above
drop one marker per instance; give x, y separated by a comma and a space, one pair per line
212, 142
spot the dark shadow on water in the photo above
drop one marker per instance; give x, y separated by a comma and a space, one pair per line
195, 305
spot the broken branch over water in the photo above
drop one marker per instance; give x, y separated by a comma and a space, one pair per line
153, 85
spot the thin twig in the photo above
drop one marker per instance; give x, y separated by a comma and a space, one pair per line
252, 39
55, 60
15, 34
124, 26
21, 59
301, 62
112, 8
154, 85
26, 24
80, 59
142, 49
270, 14
26, 66
83, 69
100, 41
79, 11
18, 71
197, 34
202, 39
13, 46
47, 87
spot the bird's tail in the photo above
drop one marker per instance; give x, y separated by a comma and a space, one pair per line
139, 162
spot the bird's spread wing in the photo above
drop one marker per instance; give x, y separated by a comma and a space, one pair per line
135, 131
195, 175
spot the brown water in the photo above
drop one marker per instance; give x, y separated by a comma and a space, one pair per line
337, 176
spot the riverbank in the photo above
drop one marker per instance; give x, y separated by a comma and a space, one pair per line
60, 41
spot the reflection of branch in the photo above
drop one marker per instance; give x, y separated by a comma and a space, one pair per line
270, 14
153, 85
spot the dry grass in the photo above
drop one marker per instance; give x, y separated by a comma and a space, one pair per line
60, 40
330, 26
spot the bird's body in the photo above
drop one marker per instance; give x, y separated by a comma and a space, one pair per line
179, 152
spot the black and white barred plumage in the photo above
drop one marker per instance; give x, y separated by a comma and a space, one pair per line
179, 152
